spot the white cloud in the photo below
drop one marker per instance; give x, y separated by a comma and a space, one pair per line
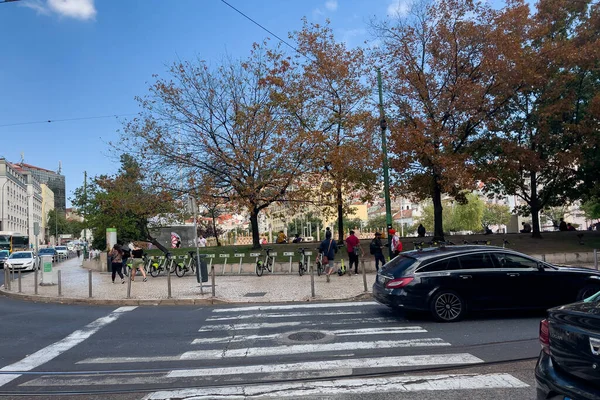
398, 8
78, 9
331, 5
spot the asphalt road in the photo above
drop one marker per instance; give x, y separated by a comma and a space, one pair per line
308, 350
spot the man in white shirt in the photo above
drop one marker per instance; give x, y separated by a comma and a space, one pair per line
201, 241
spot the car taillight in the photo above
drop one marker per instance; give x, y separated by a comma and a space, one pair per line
398, 282
545, 336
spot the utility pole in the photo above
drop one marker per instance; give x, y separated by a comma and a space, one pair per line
85, 247
386, 175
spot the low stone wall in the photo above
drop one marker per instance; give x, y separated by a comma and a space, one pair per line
97, 264
567, 258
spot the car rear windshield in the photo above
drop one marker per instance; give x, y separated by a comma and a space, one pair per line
61, 248
46, 251
399, 265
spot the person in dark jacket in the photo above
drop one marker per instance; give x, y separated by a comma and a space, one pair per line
562, 226
376, 248
421, 230
328, 247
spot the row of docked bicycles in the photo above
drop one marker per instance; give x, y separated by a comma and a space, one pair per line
179, 265
269, 261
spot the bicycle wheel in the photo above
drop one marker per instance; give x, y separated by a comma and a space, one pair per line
269, 265
319, 268
300, 268
259, 269
172, 266
180, 271
154, 271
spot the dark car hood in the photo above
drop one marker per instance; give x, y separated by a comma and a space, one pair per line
578, 269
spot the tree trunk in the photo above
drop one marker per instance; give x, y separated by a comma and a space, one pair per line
340, 213
214, 224
438, 227
535, 208
157, 243
254, 226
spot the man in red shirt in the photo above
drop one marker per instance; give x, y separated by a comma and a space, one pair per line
353, 247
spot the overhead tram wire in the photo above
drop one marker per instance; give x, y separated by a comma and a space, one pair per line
266, 30
49, 121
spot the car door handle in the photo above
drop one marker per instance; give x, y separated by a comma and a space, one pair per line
465, 276
513, 274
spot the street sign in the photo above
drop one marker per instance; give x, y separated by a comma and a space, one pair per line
223, 255
36, 228
254, 254
288, 253
239, 255
210, 255
308, 253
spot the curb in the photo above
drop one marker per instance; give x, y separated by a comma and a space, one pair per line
164, 302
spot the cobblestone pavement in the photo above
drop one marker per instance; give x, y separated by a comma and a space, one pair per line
233, 288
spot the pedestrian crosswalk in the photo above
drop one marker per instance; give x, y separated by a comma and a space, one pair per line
307, 350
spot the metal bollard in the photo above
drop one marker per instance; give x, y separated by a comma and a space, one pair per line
168, 282
596, 259
312, 279
364, 274
6, 278
129, 284
543, 257
19, 277
212, 273
59, 284
90, 282
10, 278
35, 281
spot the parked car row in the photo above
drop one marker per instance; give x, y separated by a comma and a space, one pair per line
29, 260
448, 282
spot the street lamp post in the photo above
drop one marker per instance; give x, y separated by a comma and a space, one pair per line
386, 176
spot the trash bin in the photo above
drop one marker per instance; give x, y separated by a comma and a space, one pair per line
201, 272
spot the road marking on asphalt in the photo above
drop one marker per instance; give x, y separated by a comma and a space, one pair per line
286, 315
413, 383
309, 348
297, 306
272, 351
339, 332
56, 349
379, 362
266, 325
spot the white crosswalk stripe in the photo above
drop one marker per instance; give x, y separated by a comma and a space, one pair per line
348, 386
255, 344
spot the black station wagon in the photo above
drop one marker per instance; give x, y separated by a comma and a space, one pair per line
449, 281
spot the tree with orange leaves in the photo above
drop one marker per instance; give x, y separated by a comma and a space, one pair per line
442, 66
329, 98
223, 127
541, 137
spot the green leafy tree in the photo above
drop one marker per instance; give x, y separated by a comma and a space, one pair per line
456, 216
377, 223
57, 224
124, 202
495, 214
295, 226
591, 208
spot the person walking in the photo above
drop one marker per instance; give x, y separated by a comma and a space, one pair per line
376, 249
353, 248
126, 254
396, 243
328, 247
116, 262
138, 262
201, 241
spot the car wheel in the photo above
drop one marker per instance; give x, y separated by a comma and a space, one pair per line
447, 306
587, 291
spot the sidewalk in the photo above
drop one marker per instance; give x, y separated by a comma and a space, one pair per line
186, 290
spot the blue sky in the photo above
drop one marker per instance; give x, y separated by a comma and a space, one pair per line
67, 59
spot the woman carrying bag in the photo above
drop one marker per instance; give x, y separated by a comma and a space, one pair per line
328, 247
